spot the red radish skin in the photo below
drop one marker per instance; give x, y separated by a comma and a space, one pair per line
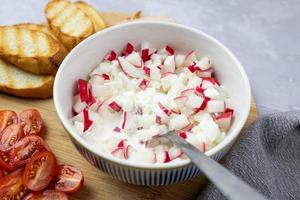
203, 147
203, 105
187, 128
92, 100
199, 91
164, 109
129, 69
118, 152
183, 134
170, 50
117, 129
145, 55
229, 110
111, 56
167, 157
86, 120
105, 77
115, 106
121, 144
144, 84
128, 50
210, 79
158, 120
188, 92
83, 90
124, 120
147, 71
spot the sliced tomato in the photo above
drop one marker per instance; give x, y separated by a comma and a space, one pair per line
25, 148
39, 171
7, 117
1, 173
10, 135
67, 179
5, 161
12, 187
47, 195
31, 122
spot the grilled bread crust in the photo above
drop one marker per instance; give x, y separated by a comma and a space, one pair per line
37, 27
32, 51
69, 23
93, 14
20, 83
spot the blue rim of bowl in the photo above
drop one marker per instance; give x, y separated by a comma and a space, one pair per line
145, 166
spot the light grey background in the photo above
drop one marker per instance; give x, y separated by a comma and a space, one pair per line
264, 34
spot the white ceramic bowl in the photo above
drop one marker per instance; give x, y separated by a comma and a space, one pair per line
89, 53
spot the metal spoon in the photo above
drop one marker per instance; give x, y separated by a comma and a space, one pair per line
231, 186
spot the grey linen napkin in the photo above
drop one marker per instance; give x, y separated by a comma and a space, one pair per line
267, 157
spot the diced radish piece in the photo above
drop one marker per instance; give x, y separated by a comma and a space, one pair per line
118, 152
215, 106
190, 58
224, 120
194, 82
145, 55
138, 156
188, 92
144, 83
158, 120
192, 67
96, 79
174, 152
205, 74
121, 144
230, 110
86, 120
203, 105
203, 147
199, 91
135, 59
186, 111
170, 50
124, 120
129, 69
105, 77
177, 122
183, 134
83, 90
115, 106
201, 116
180, 100
111, 56
211, 80
165, 109
147, 71
162, 157
128, 50
78, 105
169, 64
204, 63
92, 100
101, 91
96, 106
179, 60
167, 74
187, 128
117, 129
155, 74
194, 101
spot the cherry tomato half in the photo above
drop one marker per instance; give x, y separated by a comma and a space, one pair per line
11, 186
47, 195
7, 117
25, 148
67, 179
5, 161
10, 135
39, 171
31, 122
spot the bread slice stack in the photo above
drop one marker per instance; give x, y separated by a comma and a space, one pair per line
30, 54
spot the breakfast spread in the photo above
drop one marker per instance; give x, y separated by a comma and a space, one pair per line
28, 167
130, 99
35, 51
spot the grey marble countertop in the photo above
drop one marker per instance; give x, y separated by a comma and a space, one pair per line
263, 34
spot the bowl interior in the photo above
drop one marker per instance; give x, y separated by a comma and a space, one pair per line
89, 53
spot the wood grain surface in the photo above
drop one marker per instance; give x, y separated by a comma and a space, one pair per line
99, 185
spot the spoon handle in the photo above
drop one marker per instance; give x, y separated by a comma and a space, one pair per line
230, 185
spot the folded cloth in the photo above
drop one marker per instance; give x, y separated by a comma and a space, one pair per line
267, 157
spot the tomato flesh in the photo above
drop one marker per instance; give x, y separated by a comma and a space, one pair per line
7, 117
10, 135
67, 179
12, 187
39, 171
47, 195
25, 148
31, 122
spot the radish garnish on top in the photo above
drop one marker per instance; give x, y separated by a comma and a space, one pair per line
131, 99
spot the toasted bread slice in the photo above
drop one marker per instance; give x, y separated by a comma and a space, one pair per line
20, 83
68, 22
33, 51
113, 18
37, 27
93, 14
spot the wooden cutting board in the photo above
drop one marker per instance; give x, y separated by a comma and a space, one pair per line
99, 185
